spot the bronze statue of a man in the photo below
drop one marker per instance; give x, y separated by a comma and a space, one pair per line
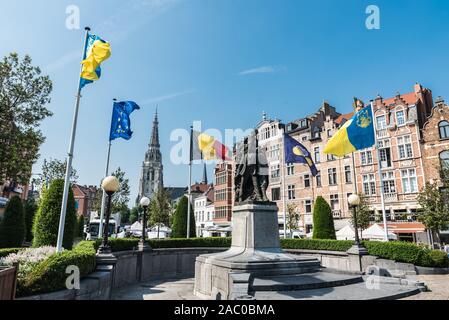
251, 172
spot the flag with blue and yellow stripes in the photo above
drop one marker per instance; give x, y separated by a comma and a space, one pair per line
96, 51
295, 152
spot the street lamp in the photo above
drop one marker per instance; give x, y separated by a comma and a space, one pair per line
354, 202
110, 185
144, 203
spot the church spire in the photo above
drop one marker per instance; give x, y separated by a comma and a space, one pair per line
155, 134
204, 175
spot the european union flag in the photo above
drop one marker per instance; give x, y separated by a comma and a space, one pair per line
295, 152
121, 123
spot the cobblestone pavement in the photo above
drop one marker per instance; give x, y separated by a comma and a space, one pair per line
438, 288
164, 289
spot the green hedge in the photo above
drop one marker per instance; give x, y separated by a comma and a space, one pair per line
408, 253
50, 276
120, 244
191, 243
317, 244
8, 251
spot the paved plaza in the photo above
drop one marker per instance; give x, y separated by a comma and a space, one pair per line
182, 289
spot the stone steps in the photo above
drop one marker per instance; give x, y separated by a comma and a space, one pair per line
305, 281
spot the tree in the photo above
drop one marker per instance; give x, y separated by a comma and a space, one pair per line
120, 198
125, 215
30, 211
12, 227
435, 209
46, 223
179, 227
134, 214
160, 209
323, 221
54, 169
292, 217
24, 93
79, 231
363, 214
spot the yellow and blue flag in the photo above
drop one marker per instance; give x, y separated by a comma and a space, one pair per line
356, 134
121, 123
96, 51
295, 152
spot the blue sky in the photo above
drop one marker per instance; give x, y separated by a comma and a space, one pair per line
222, 62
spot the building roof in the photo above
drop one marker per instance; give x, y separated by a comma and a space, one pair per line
409, 98
176, 192
85, 190
200, 187
344, 118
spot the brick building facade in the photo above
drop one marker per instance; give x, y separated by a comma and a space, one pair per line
84, 198
223, 194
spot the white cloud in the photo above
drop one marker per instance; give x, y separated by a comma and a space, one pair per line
166, 97
262, 69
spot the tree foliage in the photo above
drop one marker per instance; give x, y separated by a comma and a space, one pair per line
159, 212
292, 217
79, 232
435, 209
323, 221
24, 94
30, 211
12, 227
179, 227
363, 214
120, 199
46, 223
134, 214
54, 169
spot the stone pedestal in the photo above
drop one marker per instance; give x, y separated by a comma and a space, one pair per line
106, 264
355, 254
255, 251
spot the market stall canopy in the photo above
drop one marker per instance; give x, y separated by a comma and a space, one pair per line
346, 233
376, 232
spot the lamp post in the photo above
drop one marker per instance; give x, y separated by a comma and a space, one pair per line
110, 185
144, 203
357, 248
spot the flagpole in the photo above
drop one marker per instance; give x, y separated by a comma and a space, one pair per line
382, 199
103, 198
283, 186
190, 183
69, 159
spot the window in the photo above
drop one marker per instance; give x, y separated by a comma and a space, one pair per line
385, 153
332, 175
221, 195
318, 179
275, 171
409, 184
348, 175
290, 169
291, 192
308, 206
304, 138
275, 194
317, 154
330, 157
273, 151
389, 185
334, 202
444, 129
329, 133
381, 122
307, 181
400, 118
366, 157
369, 184
405, 147
444, 159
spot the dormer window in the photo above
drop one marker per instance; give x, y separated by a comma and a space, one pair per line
400, 118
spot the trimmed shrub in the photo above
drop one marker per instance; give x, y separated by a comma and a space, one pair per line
46, 223
317, 244
323, 221
408, 253
8, 251
30, 211
12, 227
50, 276
191, 243
80, 227
179, 227
117, 245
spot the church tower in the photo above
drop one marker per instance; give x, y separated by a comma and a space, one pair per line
151, 177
